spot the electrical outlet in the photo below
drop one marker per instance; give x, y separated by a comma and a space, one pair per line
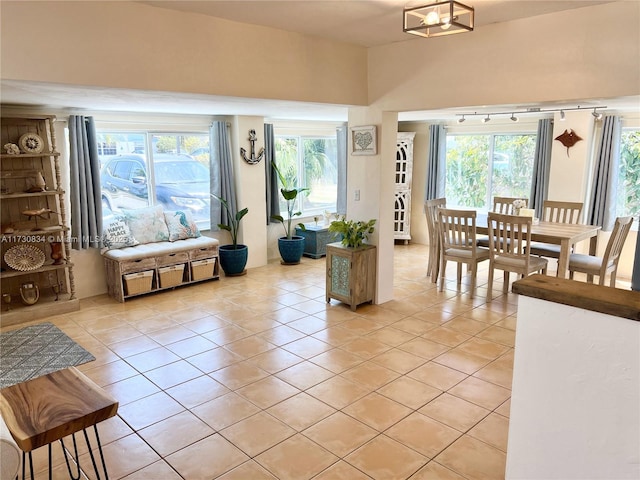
357, 195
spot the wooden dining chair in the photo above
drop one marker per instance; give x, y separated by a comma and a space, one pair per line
558, 212
501, 205
431, 212
562, 212
505, 204
458, 243
510, 248
608, 263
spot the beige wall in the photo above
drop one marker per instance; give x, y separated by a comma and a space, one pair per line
577, 54
130, 45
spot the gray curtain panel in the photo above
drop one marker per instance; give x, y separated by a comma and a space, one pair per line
541, 165
602, 205
86, 205
271, 178
436, 163
221, 172
341, 144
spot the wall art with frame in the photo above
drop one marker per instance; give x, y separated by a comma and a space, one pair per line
364, 140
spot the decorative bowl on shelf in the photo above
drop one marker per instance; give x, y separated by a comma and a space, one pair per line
24, 258
31, 143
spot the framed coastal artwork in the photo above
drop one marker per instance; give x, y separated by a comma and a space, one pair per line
364, 140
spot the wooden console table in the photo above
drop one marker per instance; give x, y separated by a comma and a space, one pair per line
48, 408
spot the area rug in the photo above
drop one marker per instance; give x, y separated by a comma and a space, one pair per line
37, 350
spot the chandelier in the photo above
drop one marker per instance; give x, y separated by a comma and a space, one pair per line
439, 18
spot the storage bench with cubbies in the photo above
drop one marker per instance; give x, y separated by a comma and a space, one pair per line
153, 267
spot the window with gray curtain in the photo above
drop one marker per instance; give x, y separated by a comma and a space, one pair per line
84, 193
271, 178
602, 204
436, 163
541, 165
342, 136
222, 177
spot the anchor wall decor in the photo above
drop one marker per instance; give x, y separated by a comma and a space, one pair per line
252, 160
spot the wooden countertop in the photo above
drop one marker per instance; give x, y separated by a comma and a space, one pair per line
612, 301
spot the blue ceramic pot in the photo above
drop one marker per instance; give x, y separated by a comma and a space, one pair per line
291, 250
233, 260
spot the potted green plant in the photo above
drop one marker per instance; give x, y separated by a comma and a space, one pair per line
354, 232
290, 246
233, 257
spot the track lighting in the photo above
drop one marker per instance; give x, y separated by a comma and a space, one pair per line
514, 115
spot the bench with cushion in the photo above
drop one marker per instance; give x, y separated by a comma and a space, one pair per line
148, 249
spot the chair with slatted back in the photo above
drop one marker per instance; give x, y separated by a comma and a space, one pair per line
510, 248
608, 263
505, 204
431, 212
458, 243
558, 212
501, 205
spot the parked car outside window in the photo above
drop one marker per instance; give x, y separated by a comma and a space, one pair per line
181, 183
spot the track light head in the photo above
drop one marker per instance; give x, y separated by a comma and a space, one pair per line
596, 114
486, 119
513, 118
461, 119
562, 115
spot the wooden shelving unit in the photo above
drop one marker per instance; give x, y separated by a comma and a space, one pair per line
18, 172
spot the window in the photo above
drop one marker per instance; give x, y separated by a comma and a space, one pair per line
310, 162
480, 167
140, 169
629, 179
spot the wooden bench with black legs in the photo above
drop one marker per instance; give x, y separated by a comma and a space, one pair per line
49, 408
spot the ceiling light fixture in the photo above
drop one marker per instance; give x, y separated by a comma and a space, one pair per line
486, 115
439, 18
461, 119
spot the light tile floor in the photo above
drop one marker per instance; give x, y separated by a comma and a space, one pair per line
257, 377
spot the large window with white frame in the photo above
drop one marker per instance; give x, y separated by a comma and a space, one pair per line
628, 193
142, 168
481, 166
309, 162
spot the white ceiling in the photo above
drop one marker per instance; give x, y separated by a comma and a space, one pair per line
363, 22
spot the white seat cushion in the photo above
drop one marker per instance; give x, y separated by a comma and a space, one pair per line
156, 249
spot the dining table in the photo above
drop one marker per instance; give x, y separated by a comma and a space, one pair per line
564, 234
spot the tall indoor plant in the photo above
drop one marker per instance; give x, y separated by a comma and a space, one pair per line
290, 246
233, 257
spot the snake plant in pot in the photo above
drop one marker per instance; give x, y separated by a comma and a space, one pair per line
290, 246
233, 257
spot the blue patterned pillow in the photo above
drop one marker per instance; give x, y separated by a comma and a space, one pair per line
181, 225
147, 224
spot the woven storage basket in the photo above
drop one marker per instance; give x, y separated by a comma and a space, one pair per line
171, 276
203, 269
139, 282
